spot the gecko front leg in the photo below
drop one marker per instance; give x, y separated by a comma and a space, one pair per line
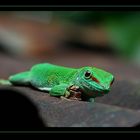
60, 90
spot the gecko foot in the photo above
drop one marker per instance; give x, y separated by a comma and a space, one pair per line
74, 88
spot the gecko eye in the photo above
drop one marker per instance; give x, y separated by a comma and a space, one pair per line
87, 74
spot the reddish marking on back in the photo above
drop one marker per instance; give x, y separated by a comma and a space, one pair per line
95, 79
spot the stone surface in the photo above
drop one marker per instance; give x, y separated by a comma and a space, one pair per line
56, 112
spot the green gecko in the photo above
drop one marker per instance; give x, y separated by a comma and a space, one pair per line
83, 83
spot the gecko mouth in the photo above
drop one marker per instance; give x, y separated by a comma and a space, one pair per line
76, 93
95, 90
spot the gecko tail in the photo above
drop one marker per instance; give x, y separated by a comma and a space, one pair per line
17, 79
22, 78
5, 82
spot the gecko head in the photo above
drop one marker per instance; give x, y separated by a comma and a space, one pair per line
94, 81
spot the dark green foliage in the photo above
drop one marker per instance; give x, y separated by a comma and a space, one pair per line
123, 28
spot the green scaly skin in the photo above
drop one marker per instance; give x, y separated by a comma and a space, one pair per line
90, 82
